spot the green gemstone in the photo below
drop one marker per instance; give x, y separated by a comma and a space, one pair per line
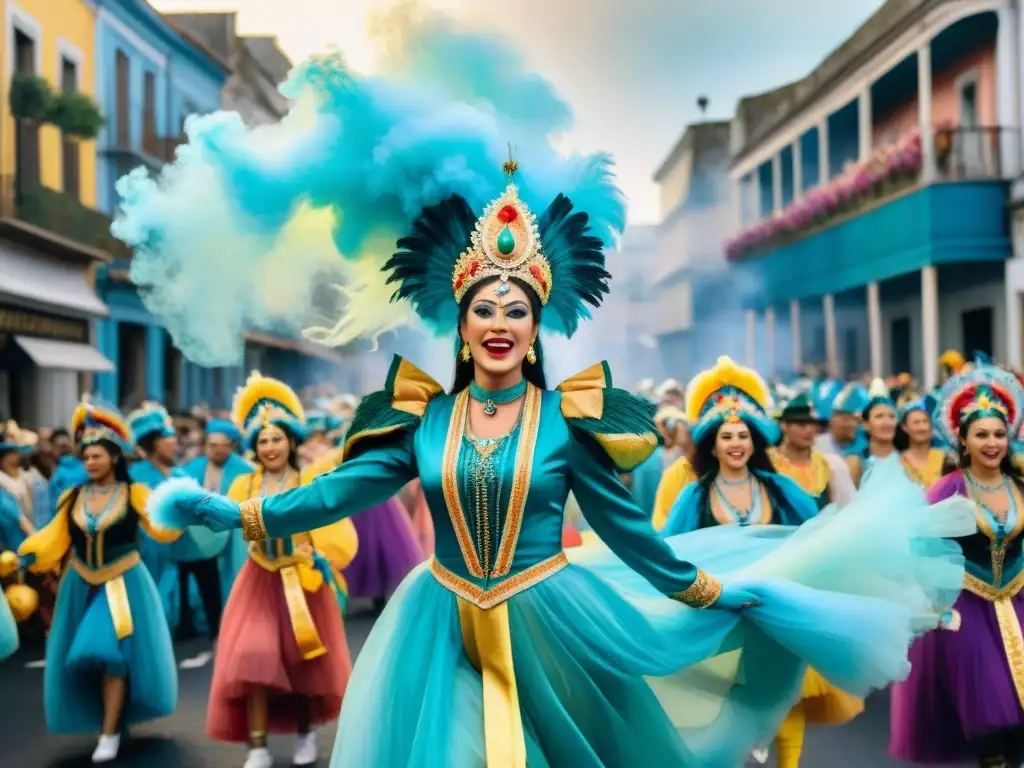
506, 242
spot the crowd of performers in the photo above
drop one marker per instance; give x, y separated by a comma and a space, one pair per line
85, 568
742, 572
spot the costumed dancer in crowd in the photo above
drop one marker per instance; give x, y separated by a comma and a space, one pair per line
157, 440
24, 507
825, 476
739, 485
845, 435
109, 660
482, 655
69, 471
321, 436
914, 439
962, 700
216, 471
880, 420
283, 662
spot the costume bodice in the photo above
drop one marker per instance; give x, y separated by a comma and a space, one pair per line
97, 540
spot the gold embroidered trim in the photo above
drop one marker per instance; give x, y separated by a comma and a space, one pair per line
251, 512
97, 577
520, 482
702, 593
986, 591
997, 548
450, 483
275, 564
812, 477
512, 586
1013, 643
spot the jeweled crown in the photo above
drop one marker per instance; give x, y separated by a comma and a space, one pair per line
505, 244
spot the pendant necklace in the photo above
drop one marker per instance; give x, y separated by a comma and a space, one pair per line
491, 400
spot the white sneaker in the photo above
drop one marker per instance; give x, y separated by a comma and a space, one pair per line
259, 758
760, 754
107, 748
305, 749
197, 662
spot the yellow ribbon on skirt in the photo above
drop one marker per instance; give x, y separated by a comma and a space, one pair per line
120, 608
488, 642
306, 636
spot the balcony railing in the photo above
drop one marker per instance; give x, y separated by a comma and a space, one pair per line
961, 153
60, 217
154, 152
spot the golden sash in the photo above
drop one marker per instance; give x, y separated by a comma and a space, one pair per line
1009, 625
488, 643
298, 576
111, 578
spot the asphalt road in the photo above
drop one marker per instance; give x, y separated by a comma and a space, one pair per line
179, 741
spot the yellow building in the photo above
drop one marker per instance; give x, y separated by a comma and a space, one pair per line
56, 40
51, 236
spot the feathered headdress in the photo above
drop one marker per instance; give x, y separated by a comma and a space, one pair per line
264, 402
151, 419
824, 394
729, 393
982, 391
853, 398
14, 438
94, 421
450, 250
952, 360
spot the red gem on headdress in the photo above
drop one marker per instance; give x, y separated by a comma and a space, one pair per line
474, 268
508, 214
538, 276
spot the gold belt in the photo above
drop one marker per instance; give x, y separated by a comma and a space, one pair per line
111, 578
298, 576
1009, 625
487, 639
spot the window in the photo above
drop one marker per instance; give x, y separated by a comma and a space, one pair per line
70, 155
26, 133
976, 326
149, 140
899, 355
123, 137
24, 52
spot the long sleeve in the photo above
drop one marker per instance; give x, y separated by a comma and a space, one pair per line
675, 479
139, 497
44, 550
14, 528
368, 479
624, 527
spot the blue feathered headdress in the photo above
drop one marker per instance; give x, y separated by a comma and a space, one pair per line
450, 250
151, 419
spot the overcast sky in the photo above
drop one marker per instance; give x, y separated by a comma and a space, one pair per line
631, 69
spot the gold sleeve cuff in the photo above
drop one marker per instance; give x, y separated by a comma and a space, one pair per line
702, 593
253, 528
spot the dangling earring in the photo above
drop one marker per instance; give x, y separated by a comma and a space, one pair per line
465, 354
531, 356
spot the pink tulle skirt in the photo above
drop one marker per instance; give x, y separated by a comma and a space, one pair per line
257, 649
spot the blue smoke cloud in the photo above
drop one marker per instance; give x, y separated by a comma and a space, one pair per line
241, 228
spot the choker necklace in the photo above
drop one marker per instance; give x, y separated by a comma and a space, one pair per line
492, 400
734, 483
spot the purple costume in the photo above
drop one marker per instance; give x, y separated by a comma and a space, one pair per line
967, 685
388, 550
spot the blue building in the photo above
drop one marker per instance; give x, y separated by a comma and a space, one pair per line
150, 79
905, 139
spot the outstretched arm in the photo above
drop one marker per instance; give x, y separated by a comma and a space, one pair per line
364, 481
627, 530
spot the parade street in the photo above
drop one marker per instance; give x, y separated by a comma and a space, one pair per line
180, 741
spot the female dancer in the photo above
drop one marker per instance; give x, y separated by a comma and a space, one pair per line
879, 416
109, 660
923, 463
739, 485
962, 700
283, 661
558, 659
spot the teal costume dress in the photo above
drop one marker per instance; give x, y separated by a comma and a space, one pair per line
505, 642
8, 630
108, 618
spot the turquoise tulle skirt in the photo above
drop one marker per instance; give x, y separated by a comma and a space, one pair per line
611, 674
8, 629
83, 646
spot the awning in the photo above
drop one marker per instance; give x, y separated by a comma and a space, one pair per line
295, 345
64, 355
37, 280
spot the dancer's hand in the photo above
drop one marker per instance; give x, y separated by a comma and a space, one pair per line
734, 599
181, 502
218, 513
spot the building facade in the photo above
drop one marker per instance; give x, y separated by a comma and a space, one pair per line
150, 78
698, 307
52, 238
872, 229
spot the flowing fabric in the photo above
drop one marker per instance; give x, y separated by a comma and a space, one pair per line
258, 650
610, 673
8, 629
388, 551
82, 645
